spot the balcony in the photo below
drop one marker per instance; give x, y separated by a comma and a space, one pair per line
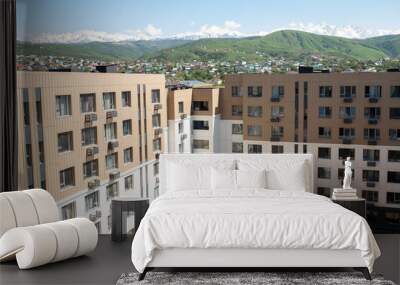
157, 107
112, 145
115, 174
91, 151
373, 120
89, 119
111, 114
92, 184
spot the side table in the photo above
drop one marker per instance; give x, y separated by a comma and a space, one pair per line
357, 205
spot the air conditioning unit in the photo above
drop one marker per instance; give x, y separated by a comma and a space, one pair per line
98, 214
373, 99
114, 175
90, 118
158, 131
372, 121
275, 119
183, 116
348, 120
112, 145
94, 183
347, 99
111, 114
91, 151
157, 107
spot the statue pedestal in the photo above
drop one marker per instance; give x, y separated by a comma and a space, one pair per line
344, 194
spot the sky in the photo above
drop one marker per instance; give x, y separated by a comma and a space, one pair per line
115, 20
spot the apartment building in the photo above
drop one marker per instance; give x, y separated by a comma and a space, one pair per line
332, 116
89, 137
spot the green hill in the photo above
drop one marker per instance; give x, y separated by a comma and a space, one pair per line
389, 44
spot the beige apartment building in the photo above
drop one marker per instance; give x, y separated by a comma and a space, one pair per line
89, 137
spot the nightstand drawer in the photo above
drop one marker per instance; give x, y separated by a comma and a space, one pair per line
357, 206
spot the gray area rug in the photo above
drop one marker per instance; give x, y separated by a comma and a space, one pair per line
228, 278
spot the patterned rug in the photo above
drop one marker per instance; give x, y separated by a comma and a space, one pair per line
243, 278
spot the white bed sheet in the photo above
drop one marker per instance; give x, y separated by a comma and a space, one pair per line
251, 218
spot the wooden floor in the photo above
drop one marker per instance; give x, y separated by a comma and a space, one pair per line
110, 260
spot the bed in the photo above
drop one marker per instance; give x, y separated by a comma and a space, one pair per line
241, 210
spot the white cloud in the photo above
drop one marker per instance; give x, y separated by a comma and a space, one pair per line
228, 29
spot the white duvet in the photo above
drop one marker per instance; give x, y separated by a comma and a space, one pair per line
250, 219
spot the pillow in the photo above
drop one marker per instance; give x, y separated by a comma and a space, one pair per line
287, 175
251, 178
182, 177
223, 179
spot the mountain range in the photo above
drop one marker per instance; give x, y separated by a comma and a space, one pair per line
288, 43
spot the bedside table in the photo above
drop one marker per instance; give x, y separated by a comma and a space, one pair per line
357, 205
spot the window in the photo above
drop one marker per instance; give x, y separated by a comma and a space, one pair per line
370, 175
90, 168
344, 153
236, 91
395, 91
370, 154
324, 132
68, 211
200, 106
180, 127
325, 112
237, 147
156, 168
254, 91
128, 155
237, 129
38, 95
157, 144
254, 130
112, 161
65, 142
276, 131
156, 120
394, 113
370, 196
201, 144
324, 153
304, 148
25, 95
126, 98
347, 91
324, 191
128, 183
67, 177
180, 107
278, 92
28, 152
277, 112
277, 149
394, 155
108, 100
200, 125
254, 111
155, 96
63, 105
89, 136
324, 173
347, 132
127, 127
347, 112
237, 110
393, 177
92, 200
394, 134
373, 91
88, 103
254, 148
372, 134
112, 191
393, 198
110, 131
325, 91
372, 113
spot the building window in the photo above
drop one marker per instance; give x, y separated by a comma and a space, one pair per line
304, 148
156, 120
347, 112
325, 91
276, 131
393, 177
277, 149
67, 177
68, 211
88, 103
324, 191
296, 148
201, 144
157, 144
180, 107
373, 91
112, 191
370, 196
128, 183
372, 134
65, 142
254, 111
28, 152
200, 106
394, 134
254, 148
90, 168
237, 129
200, 125
344, 153
237, 147
395, 91
324, 153
109, 220
128, 155
347, 132
394, 113
255, 130
156, 168
347, 91
254, 91
372, 113
126, 98
110, 131
324, 132
324, 173
237, 110
108, 100
112, 161
92, 200
63, 105
370, 154
25, 96
89, 136
394, 155
325, 112
180, 127
155, 96
393, 198
38, 95
277, 112
127, 127
370, 175
278, 92
41, 152
236, 91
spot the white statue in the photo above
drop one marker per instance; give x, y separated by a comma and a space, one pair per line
347, 174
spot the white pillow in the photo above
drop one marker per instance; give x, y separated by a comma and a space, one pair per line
223, 179
251, 178
287, 175
182, 177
